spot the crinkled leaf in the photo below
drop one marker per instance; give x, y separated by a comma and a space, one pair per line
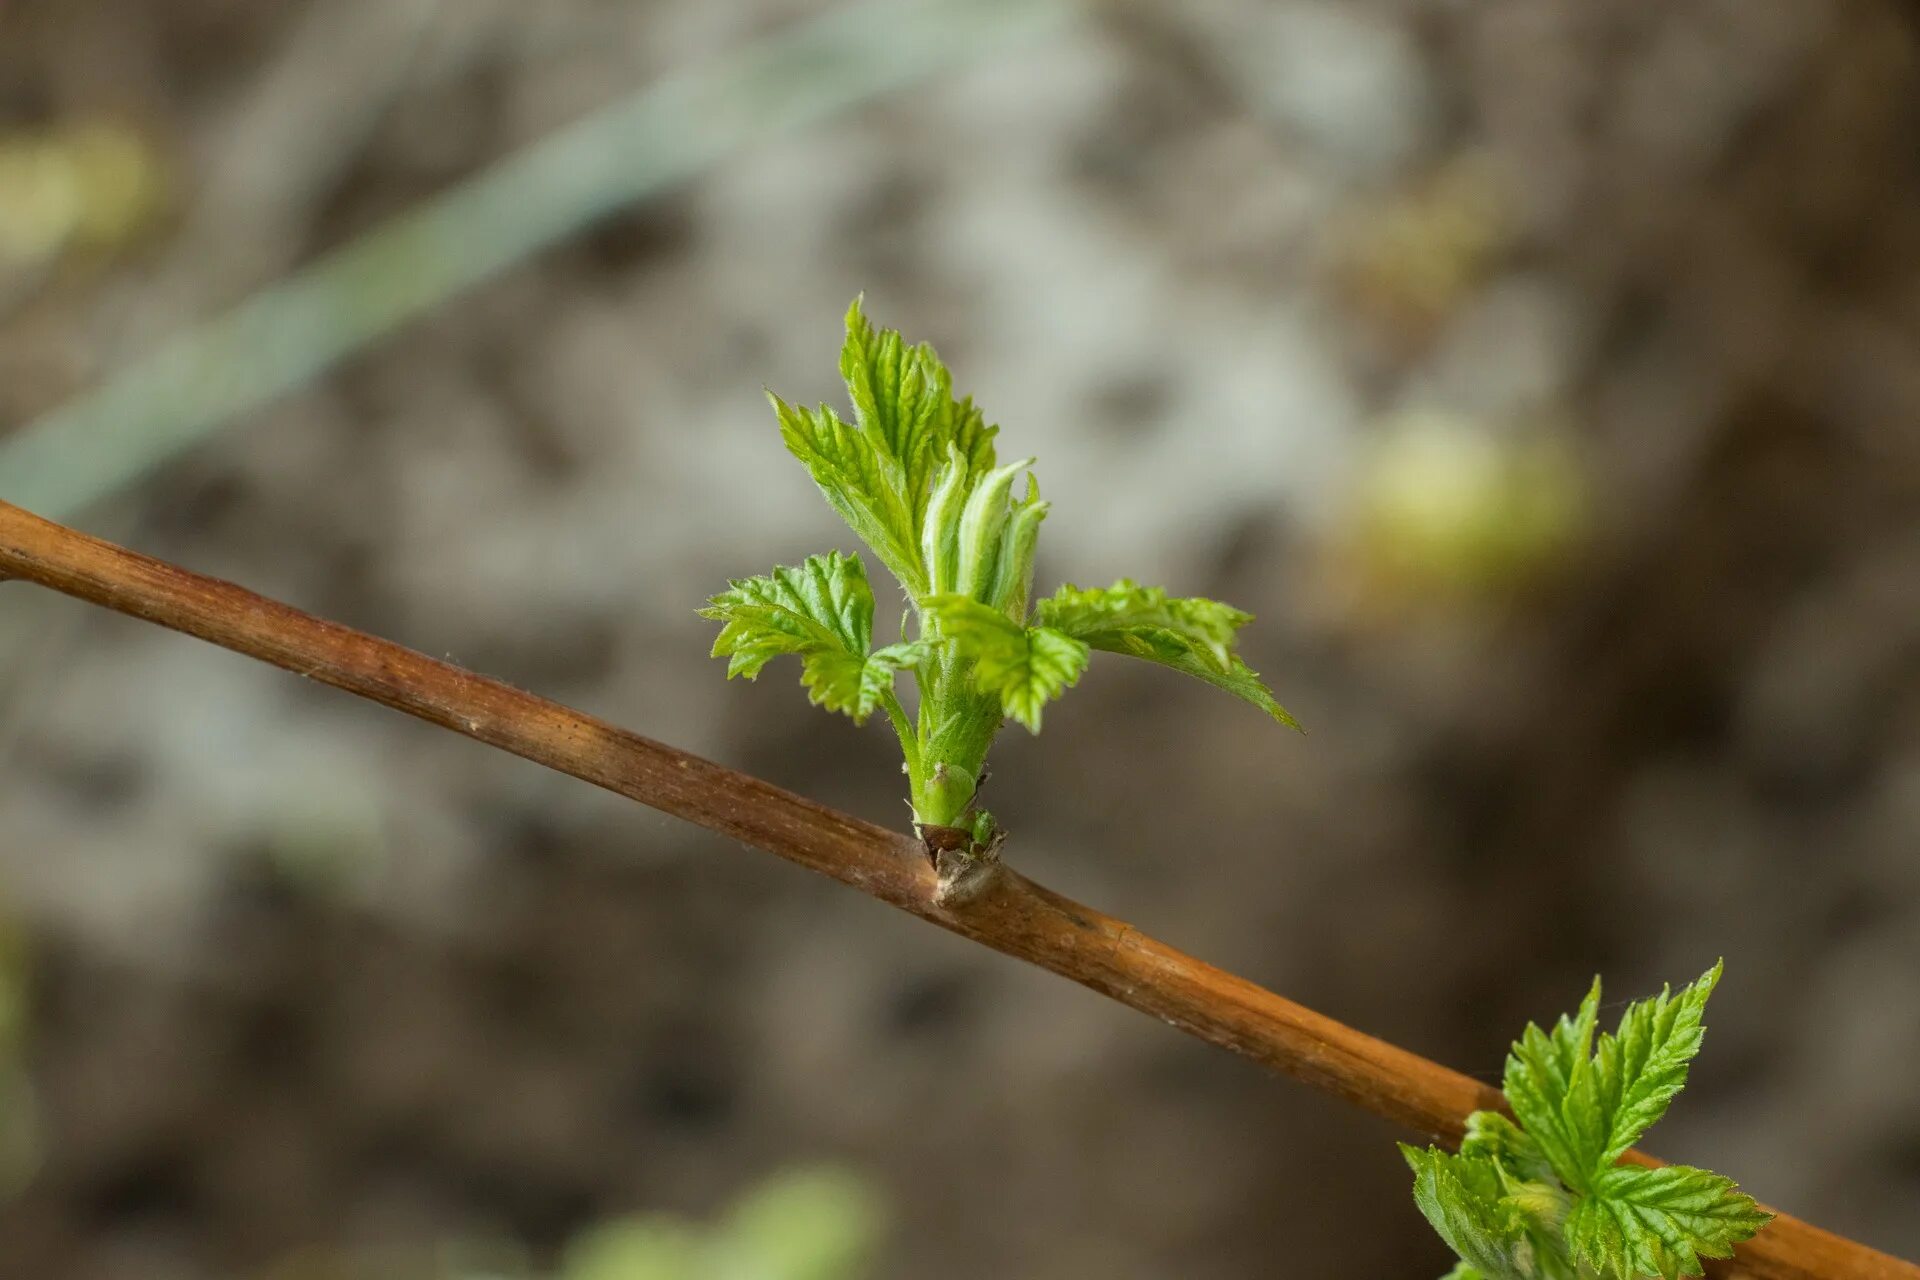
1581, 1104
1024, 667
1583, 1124
1639, 1068
969, 432
852, 684
1499, 1139
1098, 612
823, 603
1530, 1203
903, 402
1189, 634
860, 481
961, 495
1541, 1071
1572, 1037
1170, 650
1461, 1197
900, 395
1242, 681
822, 612
1659, 1222
1617, 1094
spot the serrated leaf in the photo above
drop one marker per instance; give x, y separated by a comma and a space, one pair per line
1189, 634
1617, 1093
1024, 667
899, 392
1095, 613
903, 402
1460, 1197
860, 481
1572, 1038
971, 434
1461, 1271
1499, 1139
822, 603
1640, 1067
852, 684
1581, 1104
1659, 1222
822, 612
1583, 1121
1541, 1071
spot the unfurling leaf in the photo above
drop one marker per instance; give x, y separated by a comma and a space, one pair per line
903, 402
1580, 1106
1189, 634
899, 394
1500, 1140
1660, 1222
852, 685
1461, 1197
913, 472
1639, 1068
983, 522
859, 481
1024, 667
822, 612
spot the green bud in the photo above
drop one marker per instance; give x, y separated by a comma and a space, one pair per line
984, 830
940, 537
981, 525
949, 791
1013, 576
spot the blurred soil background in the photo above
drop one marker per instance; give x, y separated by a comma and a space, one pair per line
1543, 376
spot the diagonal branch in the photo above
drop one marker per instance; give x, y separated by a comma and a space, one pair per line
1013, 915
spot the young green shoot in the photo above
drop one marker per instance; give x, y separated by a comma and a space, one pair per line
1544, 1199
916, 476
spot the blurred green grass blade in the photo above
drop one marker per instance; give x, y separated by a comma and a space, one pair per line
292, 330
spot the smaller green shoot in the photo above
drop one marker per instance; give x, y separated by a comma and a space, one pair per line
1544, 1199
916, 477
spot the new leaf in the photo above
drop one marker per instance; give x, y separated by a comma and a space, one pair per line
1461, 1197
822, 612
903, 401
1540, 1072
1189, 634
1660, 1222
1639, 1068
1024, 667
1580, 1107
860, 481
913, 472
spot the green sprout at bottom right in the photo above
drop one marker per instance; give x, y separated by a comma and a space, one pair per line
1544, 1199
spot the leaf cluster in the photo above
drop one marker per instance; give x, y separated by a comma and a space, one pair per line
916, 476
1543, 1199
